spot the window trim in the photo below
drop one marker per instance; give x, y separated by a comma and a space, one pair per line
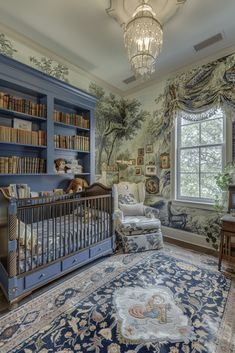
194, 200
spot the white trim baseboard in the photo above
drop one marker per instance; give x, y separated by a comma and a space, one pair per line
187, 237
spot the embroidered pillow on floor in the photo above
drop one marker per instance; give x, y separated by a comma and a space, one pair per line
136, 209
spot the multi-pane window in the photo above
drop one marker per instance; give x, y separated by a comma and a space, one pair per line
200, 157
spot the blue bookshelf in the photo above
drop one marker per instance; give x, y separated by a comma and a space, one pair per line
30, 85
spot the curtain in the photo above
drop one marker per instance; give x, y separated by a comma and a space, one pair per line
195, 95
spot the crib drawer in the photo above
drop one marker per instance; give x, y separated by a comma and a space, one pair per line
100, 248
75, 260
42, 275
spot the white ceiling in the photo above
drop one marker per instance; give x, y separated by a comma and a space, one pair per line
82, 32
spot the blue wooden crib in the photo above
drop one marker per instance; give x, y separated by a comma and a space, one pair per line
43, 238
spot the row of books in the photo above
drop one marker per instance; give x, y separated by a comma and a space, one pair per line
22, 165
72, 119
9, 134
22, 105
77, 142
19, 191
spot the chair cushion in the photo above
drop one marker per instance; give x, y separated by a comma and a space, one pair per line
143, 242
136, 209
132, 225
129, 193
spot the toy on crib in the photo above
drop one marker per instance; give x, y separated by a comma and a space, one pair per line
76, 185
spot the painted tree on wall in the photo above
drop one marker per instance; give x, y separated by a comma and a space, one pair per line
6, 47
117, 120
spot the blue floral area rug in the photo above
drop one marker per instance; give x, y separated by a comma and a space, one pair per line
168, 301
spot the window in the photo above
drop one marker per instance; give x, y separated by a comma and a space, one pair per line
200, 156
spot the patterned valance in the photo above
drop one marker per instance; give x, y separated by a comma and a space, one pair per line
195, 95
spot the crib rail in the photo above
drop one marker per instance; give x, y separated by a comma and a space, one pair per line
47, 229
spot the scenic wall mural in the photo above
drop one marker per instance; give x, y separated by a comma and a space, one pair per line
144, 152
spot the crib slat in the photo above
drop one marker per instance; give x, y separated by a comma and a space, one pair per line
69, 227
37, 218
32, 240
47, 208
18, 237
42, 255
64, 232
61, 253
25, 241
77, 226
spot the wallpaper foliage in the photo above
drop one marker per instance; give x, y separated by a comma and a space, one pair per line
144, 154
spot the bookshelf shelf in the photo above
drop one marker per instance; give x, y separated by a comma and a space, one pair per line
71, 126
72, 174
71, 150
14, 113
22, 144
23, 174
26, 89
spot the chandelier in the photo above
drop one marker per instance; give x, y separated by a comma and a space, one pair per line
143, 40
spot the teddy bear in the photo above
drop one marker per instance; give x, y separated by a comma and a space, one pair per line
60, 166
76, 185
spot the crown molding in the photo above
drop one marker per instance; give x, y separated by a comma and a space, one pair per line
31, 44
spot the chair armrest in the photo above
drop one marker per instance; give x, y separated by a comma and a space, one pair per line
118, 215
151, 212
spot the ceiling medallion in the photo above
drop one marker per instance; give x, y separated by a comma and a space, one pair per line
143, 34
143, 38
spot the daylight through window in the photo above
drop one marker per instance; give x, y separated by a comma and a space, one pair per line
200, 157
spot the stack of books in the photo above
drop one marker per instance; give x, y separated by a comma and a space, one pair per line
19, 191
72, 119
77, 142
22, 105
9, 134
22, 165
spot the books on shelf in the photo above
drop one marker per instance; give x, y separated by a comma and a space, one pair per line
22, 165
19, 191
72, 119
9, 134
21, 105
76, 142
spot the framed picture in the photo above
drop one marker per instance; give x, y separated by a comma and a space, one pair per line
149, 149
137, 171
140, 152
140, 160
22, 124
152, 185
150, 170
133, 161
165, 161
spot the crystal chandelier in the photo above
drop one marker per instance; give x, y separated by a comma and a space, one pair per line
143, 40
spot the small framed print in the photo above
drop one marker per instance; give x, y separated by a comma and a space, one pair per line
149, 149
133, 161
22, 124
150, 170
165, 161
140, 152
137, 171
140, 160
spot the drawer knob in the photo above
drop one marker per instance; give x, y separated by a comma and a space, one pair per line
99, 249
74, 260
42, 275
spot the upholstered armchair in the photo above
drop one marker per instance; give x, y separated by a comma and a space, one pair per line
137, 226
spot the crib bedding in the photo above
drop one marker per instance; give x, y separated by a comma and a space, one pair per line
54, 238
